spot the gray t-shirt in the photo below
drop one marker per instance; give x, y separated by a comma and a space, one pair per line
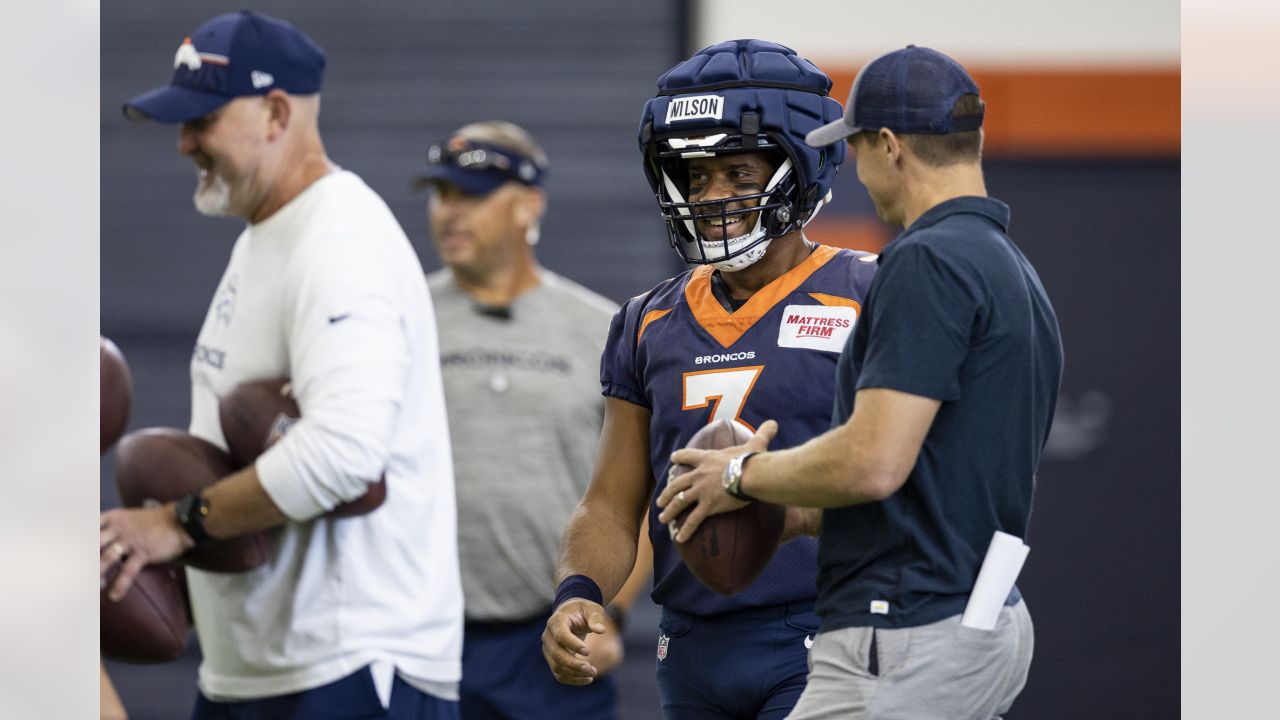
523, 398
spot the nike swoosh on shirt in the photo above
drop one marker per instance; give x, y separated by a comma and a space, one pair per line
338, 318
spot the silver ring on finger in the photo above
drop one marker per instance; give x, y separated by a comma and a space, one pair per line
681, 498
119, 549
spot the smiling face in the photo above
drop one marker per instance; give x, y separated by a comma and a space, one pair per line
227, 147
728, 176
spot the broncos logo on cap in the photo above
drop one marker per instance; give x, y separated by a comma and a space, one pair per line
188, 56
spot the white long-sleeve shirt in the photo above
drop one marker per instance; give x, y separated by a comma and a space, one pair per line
328, 292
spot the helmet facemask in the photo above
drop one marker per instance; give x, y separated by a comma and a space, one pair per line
773, 209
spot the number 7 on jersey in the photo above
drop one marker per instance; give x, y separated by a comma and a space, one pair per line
726, 389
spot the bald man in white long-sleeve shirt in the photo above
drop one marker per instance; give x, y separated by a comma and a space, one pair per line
352, 617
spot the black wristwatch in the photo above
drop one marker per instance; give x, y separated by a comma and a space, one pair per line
191, 510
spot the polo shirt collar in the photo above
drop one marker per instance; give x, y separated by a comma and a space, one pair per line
987, 207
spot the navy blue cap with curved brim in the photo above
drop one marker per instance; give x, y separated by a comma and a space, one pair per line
910, 91
234, 55
470, 182
477, 168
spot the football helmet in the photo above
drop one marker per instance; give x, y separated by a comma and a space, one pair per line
740, 96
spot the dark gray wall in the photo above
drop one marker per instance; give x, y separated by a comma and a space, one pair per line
400, 75
1102, 579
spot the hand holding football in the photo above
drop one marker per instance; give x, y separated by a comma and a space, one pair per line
729, 551
163, 464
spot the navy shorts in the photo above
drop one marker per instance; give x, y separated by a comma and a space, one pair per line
505, 677
748, 664
354, 696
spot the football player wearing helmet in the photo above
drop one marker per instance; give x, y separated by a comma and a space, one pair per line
753, 332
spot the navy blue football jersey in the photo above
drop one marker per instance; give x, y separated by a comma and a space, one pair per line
676, 351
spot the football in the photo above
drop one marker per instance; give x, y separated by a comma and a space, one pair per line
115, 387
149, 624
256, 414
730, 550
160, 465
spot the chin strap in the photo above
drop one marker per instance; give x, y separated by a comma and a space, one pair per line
744, 260
740, 261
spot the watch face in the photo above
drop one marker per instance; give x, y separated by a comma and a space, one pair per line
191, 511
728, 480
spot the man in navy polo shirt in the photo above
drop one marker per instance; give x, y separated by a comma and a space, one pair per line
945, 394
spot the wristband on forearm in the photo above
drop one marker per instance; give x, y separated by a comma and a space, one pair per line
578, 586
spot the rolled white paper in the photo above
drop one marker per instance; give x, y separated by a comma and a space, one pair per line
999, 571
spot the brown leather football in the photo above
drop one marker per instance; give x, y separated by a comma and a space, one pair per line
729, 551
256, 414
162, 465
149, 624
115, 389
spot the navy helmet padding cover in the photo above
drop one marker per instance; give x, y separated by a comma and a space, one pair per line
789, 93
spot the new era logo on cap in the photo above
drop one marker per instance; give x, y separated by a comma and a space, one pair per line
230, 56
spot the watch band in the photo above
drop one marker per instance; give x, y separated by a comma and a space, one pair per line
191, 510
732, 479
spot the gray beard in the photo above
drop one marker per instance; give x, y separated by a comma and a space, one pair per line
213, 197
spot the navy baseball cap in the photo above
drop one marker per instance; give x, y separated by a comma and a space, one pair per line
910, 91
478, 168
231, 56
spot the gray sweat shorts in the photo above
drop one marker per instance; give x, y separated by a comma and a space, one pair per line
942, 670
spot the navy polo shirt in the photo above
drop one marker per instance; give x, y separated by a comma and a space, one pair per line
955, 313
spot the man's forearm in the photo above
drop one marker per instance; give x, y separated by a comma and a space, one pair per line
238, 504
639, 569
824, 472
599, 544
864, 460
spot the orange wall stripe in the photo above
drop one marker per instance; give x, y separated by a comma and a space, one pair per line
1075, 113
849, 231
